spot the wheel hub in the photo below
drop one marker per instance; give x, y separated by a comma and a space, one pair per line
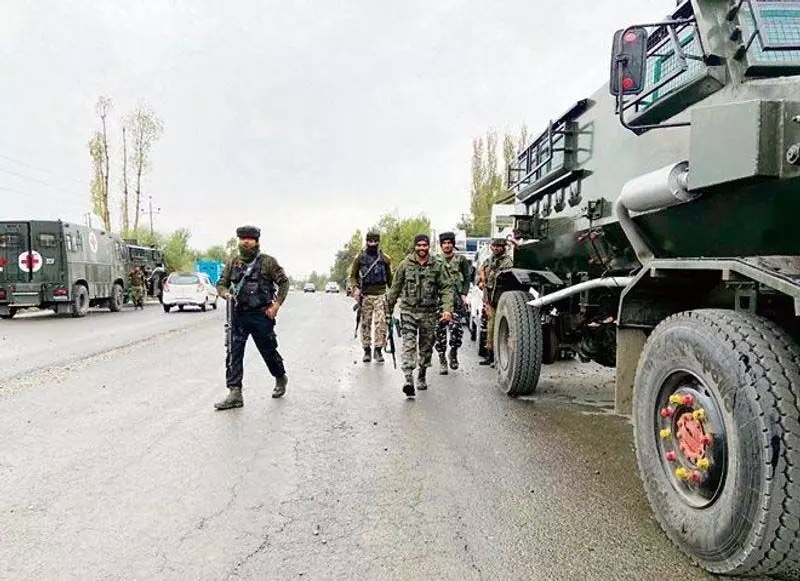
691, 439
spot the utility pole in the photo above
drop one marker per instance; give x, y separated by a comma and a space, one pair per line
151, 212
88, 216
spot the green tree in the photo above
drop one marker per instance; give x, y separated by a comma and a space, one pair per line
145, 129
397, 234
232, 247
340, 270
216, 252
177, 253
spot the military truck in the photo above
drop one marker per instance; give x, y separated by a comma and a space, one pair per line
658, 229
151, 259
61, 266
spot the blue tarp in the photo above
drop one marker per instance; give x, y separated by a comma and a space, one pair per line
213, 268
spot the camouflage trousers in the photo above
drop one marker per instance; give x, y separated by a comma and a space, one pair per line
456, 333
373, 306
418, 329
137, 293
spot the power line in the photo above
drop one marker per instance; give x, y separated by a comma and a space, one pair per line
38, 181
26, 164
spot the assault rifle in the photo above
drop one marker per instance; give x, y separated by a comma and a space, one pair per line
230, 305
391, 340
357, 308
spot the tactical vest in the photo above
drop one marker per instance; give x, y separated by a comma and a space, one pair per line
257, 292
377, 274
421, 289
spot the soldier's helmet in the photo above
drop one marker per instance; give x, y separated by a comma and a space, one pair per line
248, 232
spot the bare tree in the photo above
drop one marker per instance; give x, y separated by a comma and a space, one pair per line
126, 220
97, 186
103, 107
145, 128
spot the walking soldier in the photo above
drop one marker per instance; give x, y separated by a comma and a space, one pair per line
460, 270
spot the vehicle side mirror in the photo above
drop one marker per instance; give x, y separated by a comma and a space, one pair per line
628, 61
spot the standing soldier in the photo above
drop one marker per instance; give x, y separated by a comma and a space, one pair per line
423, 286
370, 275
460, 270
498, 262
250, 280
138, 287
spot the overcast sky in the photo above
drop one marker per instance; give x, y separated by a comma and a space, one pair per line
309, 119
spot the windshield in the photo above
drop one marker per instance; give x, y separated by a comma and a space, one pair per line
183, 279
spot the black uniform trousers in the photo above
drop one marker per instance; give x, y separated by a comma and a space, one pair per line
262, 329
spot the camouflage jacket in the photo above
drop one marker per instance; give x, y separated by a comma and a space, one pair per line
137, 278
421, 287
269, 268
494, 266
460, 270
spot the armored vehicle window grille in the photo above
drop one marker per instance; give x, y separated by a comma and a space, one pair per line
78, 241
662, 63
47, 240
70, 243
10, 240
771, 32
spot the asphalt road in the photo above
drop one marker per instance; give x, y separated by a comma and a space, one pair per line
114, 464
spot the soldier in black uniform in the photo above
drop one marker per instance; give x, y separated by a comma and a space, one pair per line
251, 279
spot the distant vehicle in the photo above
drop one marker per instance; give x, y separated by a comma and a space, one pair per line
66, 267
309, 288
193, 289
213, 268
151, 259
333, 287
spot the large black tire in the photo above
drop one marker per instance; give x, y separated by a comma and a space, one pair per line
12, 311
80, 301
742, 515
517, 344
117, 298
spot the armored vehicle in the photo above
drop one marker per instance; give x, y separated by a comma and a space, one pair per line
151, 259
61, 266
657, 229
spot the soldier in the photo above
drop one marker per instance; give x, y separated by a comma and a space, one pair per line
138, 287
498, 262
423, 286
460, 270
370, 275
250, 280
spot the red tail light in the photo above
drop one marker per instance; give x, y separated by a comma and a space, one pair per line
60, 292
2, 294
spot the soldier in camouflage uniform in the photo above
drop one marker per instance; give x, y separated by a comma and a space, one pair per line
423, 286
460, 270
370, 275
138, 287
498, 262
256, 305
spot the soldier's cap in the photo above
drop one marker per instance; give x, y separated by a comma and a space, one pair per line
248, 232
421, 238
499, 241
451, 236
373, 237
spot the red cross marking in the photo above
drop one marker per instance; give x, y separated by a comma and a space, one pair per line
30, 261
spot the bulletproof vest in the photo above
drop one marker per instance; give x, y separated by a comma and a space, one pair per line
377, 274
421, 289
257, 291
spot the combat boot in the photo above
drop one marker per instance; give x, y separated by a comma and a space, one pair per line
422, 385
280, 386
453, 358
408, 387
489, 359
234, 400
442, 364
367, 355
378, 355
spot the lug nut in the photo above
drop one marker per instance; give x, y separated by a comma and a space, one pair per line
665, 434
681, 473
676, 399
703, 463
699, 414
671, 456
688, 400
696, 476
667, 412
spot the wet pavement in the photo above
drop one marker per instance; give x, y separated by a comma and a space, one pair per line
116, 466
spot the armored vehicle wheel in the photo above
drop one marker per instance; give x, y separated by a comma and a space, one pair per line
517, 344
717, 433
80, 301
11, 313
117, 298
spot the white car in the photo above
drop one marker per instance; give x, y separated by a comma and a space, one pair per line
309, 288
332, 287
194, 289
